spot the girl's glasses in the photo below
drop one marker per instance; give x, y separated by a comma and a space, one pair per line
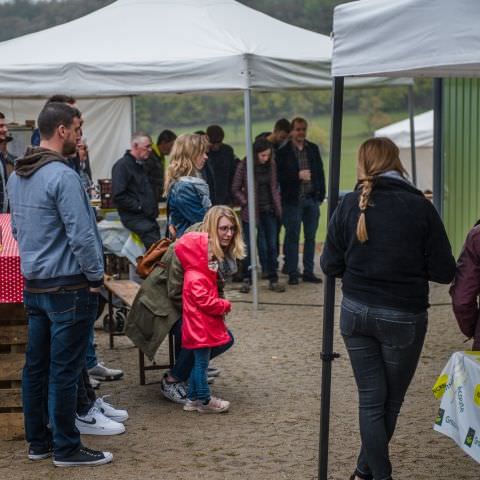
226, 228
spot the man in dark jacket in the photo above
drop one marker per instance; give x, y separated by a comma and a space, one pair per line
220, 167
132, 192
280, 134
155, 164
302, 187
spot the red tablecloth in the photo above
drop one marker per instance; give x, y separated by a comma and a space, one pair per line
11, 279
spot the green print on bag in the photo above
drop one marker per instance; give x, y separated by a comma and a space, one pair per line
439, 417
470, 436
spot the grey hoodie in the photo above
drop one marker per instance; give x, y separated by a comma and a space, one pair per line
53, 223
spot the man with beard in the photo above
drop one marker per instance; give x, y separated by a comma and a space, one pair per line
62, 262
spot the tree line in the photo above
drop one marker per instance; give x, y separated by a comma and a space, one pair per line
24, 16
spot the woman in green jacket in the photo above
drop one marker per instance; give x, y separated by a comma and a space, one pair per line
157, 307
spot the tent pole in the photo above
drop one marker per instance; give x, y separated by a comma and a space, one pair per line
413, 152
133, 110
251, 196
437, 145
328, 355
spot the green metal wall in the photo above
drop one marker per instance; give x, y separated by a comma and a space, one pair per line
461, 142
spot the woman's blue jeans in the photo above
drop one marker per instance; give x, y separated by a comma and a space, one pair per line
384, 346
267, 236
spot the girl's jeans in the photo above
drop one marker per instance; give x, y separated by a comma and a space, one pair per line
384, 346
198, 388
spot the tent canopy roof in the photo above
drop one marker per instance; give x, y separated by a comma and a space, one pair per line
399, 132
134, 47
429, 38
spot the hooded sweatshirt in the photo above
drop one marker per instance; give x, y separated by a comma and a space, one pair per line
203, 310
53, 222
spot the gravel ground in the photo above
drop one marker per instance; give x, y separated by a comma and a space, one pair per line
272, 378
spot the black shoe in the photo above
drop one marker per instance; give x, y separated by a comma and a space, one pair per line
310, 277
84, 457
39, 454
293, 280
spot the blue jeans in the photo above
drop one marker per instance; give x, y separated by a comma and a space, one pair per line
267, 236
58, 327
307, 212
184, 359
198, 388
91, 354
384, 346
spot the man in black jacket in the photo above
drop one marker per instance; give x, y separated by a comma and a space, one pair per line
220, 167
302, 186
132, 192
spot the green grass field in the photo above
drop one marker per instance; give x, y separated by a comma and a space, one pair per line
355, 131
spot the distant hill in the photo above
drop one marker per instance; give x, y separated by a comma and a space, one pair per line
20, 17
24, 16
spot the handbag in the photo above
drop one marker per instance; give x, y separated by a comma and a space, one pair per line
153, 256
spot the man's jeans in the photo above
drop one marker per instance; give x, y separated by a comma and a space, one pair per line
85, 394
184, 359
58, 328
267, 235
384, 346
92, 360
307, 212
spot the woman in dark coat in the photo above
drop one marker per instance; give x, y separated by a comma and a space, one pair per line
466, 288
268, 211
386, 241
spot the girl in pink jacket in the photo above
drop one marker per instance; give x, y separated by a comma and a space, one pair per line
203, 314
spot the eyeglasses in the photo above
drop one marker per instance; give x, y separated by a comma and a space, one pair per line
227, 228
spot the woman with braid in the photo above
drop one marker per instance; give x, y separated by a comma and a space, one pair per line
386, 241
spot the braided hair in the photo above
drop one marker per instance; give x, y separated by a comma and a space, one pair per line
375, 156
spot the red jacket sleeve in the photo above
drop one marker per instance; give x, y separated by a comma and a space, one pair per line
206, 300
466, 285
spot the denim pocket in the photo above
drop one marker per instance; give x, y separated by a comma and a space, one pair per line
400, 331
347, 321
61, 302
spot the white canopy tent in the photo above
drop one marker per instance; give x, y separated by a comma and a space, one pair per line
202, 45
418, 38
107, 128
399, 132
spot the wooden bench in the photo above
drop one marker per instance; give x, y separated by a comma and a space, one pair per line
13, 342
126, 291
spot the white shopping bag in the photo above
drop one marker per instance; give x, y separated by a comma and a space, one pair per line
458, 387
133, 248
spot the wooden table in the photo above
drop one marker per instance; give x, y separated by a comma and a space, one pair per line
13, 335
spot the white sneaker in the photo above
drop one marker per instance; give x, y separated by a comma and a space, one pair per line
94, 383
102, 373
109, 411
215, 405
96, 423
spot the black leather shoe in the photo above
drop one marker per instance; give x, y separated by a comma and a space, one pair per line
310, 277
293, 280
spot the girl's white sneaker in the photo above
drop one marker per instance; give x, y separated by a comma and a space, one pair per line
215, 405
